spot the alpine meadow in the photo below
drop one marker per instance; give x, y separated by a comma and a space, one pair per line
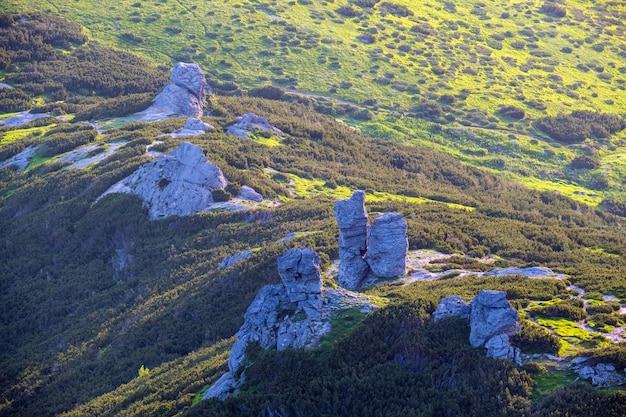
313, 208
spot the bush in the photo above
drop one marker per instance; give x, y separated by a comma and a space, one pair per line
579, 125
512, 112
220, 195
536, 339
565, 309
585, 162
267, 91
553, 9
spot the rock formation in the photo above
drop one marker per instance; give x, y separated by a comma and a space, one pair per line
193, 127
294, 314
229, 261
452, 306
492, 321
491, 315
351, 218
387, 245
177, 184
249, 193
249, 123
21, 160
186, 93
364, 251
603, 375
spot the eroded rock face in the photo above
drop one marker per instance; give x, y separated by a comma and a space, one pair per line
452, 306
491, 315
300, 271
294, 314
177, 184
603, 375
499, 347
387, 245
351, 218
186, 94
249, 123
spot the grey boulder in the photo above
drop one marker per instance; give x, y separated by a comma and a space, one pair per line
452, 306
387, 245
186, 93
491, 315
249, 193
250, 122
177, 184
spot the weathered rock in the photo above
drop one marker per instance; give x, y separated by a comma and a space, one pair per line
530, 272
22, 118
351, 218
224, 387
491, 315
249, 123
300, 271
21, 160
603, 375
186, 94
452, 306
178, 183
387, 245
229, 261
249, 193
499, 347
191, 77
295, 314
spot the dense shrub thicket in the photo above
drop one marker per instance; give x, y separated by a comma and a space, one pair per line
580, 125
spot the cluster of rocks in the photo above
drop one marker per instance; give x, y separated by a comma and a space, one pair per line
249, 123
492, 322
294, 314
177, 184
602, 375
366, 251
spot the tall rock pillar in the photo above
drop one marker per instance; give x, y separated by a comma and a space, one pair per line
351, 218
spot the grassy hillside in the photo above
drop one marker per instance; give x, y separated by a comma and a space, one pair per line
82, 334
499, 66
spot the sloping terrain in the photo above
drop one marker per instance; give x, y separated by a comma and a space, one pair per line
106, 312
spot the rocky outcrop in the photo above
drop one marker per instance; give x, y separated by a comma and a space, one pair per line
492, 321
186, 93
452, 306
22, 118
249, 123
387, 245
177, 184
352, 219
602, 375
21, 160
249, 193
366, 251
491, 315
294, 314
193, 127
229, 261
492, 318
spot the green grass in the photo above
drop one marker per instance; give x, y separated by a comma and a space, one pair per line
342, 323
479, 49
16, 134
548, 382
576, 337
